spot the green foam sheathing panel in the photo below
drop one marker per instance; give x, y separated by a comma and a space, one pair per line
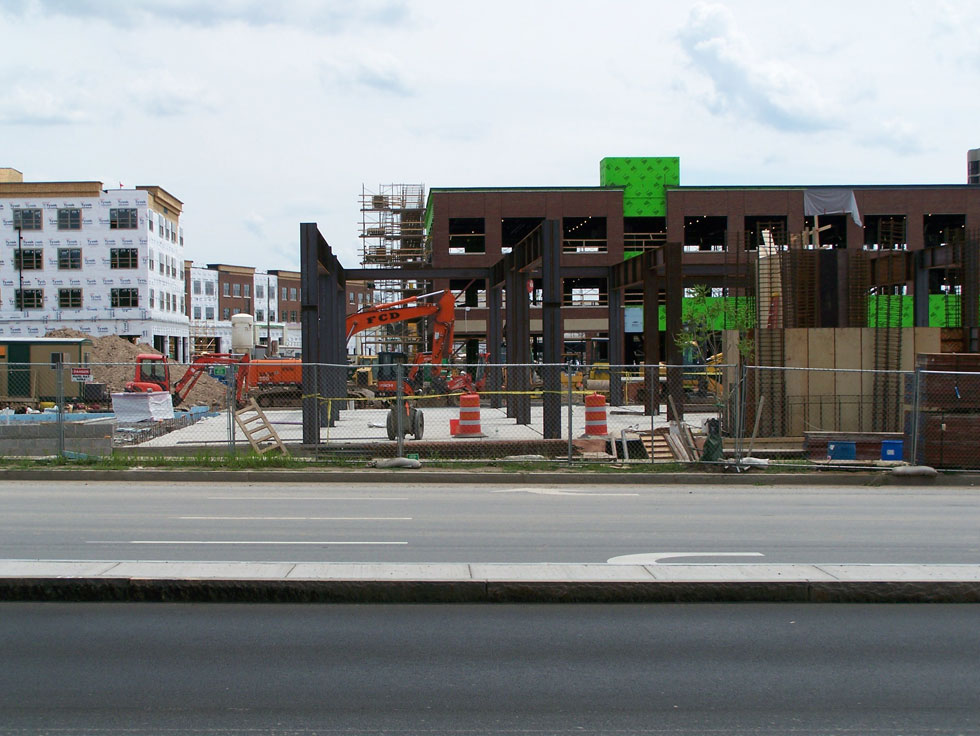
645, 180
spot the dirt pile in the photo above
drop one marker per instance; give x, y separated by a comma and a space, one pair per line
114, 364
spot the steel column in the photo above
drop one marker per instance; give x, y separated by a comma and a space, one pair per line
651, 338
551, 326
617, 326
673, 280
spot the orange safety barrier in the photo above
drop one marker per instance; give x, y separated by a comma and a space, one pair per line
595, 416
469, 416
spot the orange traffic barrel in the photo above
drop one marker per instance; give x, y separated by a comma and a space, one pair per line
469, 416
595, 416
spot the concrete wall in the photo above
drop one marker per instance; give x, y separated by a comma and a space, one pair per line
38, 439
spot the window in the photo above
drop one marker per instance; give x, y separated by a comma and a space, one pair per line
162, 264
236, 289
70, 298
292, 316
161, 227
70, 219
197, 286
151, 298
29, 259
226, 313
209, 288
466, 235
259, 291
284, 293
69, 258
149, 221
123, 219
29, 298
292, 294
584, 234
236, 310
27, 219
124, 298
259, 315
226, 289
197, 313
151, 261
350, 297
272, 316
123, 257
248, 291
209, 313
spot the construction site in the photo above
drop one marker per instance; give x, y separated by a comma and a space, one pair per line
823, 311
635, 320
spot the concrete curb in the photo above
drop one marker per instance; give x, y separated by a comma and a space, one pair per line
471, 477
223, 582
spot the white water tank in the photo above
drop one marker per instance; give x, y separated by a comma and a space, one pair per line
242, 335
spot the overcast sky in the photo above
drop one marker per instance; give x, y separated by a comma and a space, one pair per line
261, 114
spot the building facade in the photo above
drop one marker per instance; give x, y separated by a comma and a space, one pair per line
101, 261
640, 204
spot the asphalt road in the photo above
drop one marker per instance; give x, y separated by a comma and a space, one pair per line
486, 523
505, 669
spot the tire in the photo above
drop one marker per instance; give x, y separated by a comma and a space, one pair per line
391, 425
418, 423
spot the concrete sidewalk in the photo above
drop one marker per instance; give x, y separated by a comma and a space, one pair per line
145, 581
481, 475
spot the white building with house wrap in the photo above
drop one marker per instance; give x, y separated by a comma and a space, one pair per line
102, 261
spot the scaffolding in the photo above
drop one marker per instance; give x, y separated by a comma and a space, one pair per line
393, 236
393, 226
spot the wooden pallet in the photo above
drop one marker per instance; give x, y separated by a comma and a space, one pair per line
256, 426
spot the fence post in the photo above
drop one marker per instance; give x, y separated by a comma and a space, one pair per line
914, 429
231, 407
568, 370
399, 411
655, 409
61, 410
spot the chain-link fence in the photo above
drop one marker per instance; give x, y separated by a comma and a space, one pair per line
715, 413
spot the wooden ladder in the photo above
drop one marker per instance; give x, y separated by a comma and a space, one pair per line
258, 429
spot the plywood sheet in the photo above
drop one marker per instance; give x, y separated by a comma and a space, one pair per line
848, 382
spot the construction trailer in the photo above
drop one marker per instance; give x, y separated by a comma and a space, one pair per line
29, 369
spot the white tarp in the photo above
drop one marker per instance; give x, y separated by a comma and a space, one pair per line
138, 407
831, 202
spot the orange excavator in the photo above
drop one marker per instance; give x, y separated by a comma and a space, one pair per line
153, 374
443, 313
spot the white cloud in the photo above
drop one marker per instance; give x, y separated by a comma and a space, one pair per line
381, 73
745, 82
329, 17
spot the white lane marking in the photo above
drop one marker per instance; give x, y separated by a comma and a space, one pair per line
305, 498
294, 518
273, 542
557, 492
653, 558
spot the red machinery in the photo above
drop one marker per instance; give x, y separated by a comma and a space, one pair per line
153, 374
